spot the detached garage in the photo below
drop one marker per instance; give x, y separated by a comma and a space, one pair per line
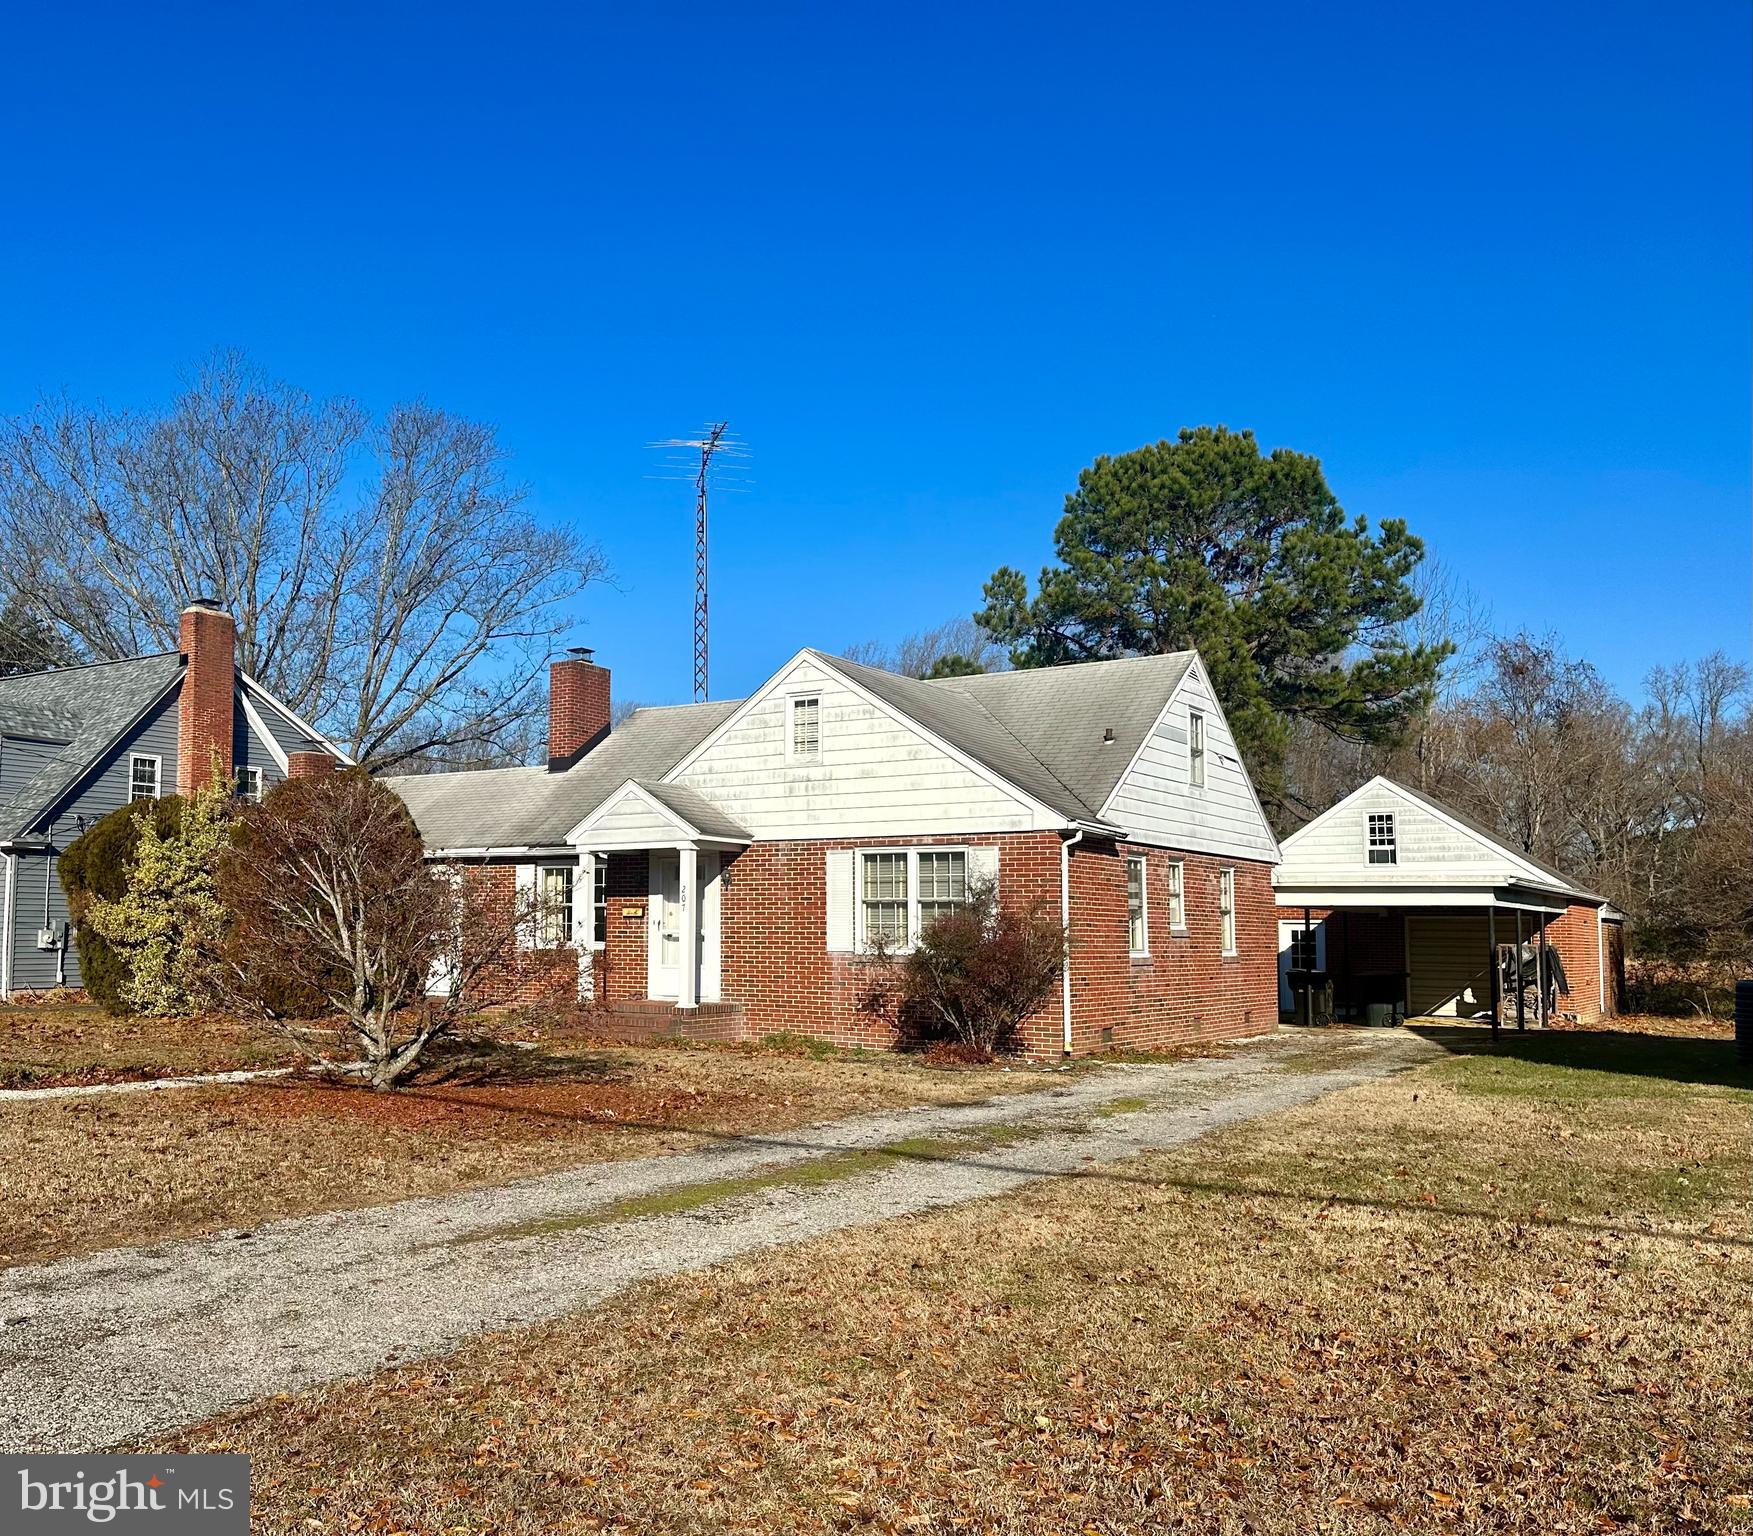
1411, 908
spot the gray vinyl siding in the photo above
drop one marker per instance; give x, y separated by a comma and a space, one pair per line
290, 736
34, 968
96, 794
248, 751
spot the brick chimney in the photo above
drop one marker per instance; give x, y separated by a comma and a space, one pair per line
578, 707
310, 765
208, 640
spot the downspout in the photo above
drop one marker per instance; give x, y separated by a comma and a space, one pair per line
1065, 846
1600, 963
6, 953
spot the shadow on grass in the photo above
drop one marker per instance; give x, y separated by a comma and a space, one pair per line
488, 1063
1668, 1058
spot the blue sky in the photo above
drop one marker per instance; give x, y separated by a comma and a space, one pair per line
1490, 265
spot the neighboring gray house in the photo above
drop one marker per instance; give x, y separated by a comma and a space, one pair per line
77, 742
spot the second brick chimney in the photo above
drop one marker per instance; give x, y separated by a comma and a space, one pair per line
578, 708
208, 640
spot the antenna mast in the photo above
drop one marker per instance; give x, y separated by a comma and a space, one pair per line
713, 443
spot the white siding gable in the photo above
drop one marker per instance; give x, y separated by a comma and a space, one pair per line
1156, 802
633, 822
875, 774
1430, 847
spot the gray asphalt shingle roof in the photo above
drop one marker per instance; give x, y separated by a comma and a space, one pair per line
533, 808
89, 707
1042, 731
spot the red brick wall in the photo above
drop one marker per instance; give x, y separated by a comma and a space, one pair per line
621, 974
1574, 936
208, 640
310, 765
1186, 989
776, 963
526, 975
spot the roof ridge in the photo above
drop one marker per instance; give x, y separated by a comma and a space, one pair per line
86, 666
1030, 754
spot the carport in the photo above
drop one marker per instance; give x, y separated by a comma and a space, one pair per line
1409, 908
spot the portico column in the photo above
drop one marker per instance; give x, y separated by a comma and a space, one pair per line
584, 917
688, 993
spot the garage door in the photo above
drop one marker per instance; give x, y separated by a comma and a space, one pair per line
1449, 964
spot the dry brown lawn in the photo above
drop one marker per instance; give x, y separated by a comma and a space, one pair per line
49, 1044
1508, 1292
89, 1173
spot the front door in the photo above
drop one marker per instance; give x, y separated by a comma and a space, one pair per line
663, 936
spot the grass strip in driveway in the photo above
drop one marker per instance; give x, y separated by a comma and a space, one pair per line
1506, 1292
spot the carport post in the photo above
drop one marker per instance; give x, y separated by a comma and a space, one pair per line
1540, 971
1491, 940
1521, 991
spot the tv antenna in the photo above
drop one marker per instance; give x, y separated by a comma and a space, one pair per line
694, 458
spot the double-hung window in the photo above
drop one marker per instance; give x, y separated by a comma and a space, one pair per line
1137, 917
599, 901
904, 891
943, 884
1196, 749
250, 784
1226, 908
143, 776
1382, 846
804, 727
554, 909
1177, 896
883, 882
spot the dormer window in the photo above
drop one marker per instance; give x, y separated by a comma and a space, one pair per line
1383, 848
804, 742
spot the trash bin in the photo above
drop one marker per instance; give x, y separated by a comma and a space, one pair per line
1744, 1020
1311, 994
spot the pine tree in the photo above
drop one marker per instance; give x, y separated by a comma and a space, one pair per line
1203, 542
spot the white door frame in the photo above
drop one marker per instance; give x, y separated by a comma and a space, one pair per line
1286, 927
663, 909
668, 873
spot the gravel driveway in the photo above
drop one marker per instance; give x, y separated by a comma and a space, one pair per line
105, 1350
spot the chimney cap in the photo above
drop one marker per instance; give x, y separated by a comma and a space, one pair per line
580, 652
212, 604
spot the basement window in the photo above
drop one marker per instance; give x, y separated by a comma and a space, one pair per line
144, 775
804, 742
1383, 849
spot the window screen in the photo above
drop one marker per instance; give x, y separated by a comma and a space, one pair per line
1137, 934
943, 885
885, 898
806, 727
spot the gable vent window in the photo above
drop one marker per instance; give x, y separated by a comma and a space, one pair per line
805, 742
1382, 847
143, 777
1196, 749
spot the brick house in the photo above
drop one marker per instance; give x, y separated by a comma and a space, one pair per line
720, 869
1412, 907
79, 742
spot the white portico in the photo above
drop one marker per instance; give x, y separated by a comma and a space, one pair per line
687, 840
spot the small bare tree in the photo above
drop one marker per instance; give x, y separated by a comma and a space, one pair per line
976, 973
331, 897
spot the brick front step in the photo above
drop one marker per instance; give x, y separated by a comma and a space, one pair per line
651, 1019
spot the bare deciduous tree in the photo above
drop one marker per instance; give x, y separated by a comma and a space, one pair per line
331, 897
927, 652
385, 578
